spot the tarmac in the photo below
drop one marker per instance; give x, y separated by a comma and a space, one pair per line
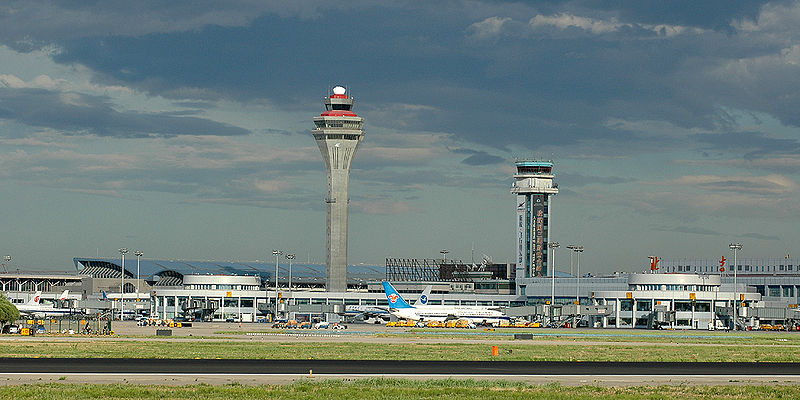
575, 374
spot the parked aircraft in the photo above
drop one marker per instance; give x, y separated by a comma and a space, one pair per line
424, 312
35, 308
382, 312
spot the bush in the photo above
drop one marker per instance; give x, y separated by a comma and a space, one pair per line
8, 311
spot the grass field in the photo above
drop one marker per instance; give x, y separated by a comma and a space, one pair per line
509, 350
396, 389
614, 335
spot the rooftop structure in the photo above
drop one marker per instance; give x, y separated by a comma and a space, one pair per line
172, 272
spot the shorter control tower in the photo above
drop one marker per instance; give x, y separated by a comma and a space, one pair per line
534, 187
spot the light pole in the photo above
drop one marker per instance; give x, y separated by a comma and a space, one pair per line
578, 250
122, 251
290, 257
444, 255
138, 255
276, 253
554, 246
7, 259
735, 247
572, 247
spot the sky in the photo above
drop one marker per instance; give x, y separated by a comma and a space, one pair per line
183, 128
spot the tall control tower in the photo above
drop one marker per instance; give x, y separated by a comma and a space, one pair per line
533, 185
338, 132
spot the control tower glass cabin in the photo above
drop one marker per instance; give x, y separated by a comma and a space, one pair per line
338, 131
533, 185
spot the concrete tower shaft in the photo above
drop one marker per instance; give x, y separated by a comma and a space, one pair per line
338, 131
534, 187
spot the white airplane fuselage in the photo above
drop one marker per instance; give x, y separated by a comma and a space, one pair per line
442, 313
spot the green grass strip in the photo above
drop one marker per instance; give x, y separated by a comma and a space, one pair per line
509, 350
380, 388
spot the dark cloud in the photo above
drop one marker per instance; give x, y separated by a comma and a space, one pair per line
751, 144
477, 157
578, 180
711, 14
760, 236
687, 229
512, 87
284, 132
80, 114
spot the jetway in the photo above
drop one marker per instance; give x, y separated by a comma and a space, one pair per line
327, 312
563, 315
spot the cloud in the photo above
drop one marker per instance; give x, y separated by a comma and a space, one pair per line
752, 144
760, 236
80, 114
599, 26
478, 157
568, 179
382, 207
488, 28
687, 229
768, 184
563, 21
207, 169
27, 26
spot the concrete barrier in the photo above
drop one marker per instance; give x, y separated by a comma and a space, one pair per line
523, 336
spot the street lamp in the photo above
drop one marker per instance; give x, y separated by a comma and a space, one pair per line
7, 259
579, 250
138, 255
576, 249
571, 247
444, 255
276, 253
290, 257
122, 251
735, 247
554, 246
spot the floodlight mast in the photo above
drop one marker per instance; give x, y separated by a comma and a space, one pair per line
138, 255
122, 251
290, 257
554, 246
276, 253
735, 247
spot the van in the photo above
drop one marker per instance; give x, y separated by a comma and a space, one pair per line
12, 329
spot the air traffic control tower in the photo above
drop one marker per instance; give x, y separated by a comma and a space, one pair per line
338, 132
534, 187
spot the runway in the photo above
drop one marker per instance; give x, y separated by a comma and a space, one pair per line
392, 367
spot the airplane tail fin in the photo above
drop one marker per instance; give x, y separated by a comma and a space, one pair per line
395, 299
63, 295
35, 299
423, 298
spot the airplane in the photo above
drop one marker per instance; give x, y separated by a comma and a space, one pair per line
36, 309
382, 312
424, 312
